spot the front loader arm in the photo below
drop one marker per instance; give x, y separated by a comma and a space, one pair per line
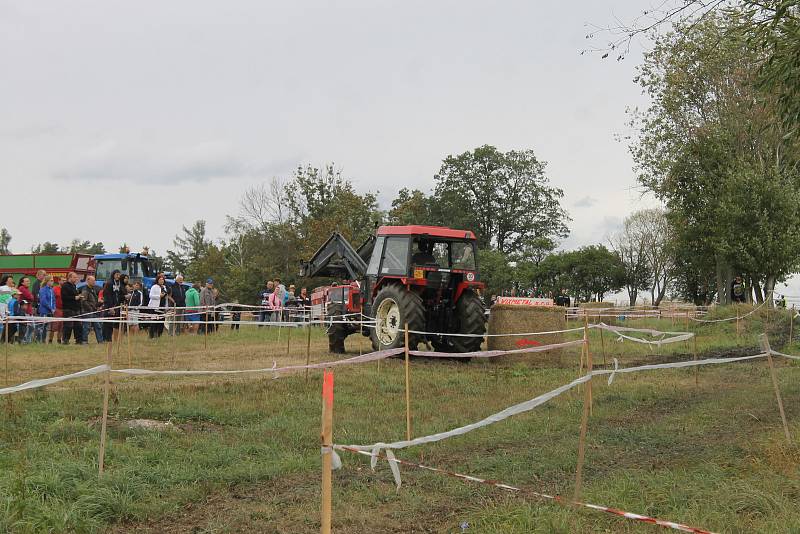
336, 258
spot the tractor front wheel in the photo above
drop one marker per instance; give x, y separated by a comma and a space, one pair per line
394, 307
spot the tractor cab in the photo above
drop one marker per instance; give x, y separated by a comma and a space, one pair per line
425, 277
439, 262
138, 267
418, 275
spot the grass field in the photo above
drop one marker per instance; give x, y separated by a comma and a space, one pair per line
243, 451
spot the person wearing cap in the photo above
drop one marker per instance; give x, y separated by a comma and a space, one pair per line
207, 303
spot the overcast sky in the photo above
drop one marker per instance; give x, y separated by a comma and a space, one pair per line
121, 121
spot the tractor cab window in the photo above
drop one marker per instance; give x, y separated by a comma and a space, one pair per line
375, 259
424, 252
463, 255
441, 255
106, 267
395, 256
338, 294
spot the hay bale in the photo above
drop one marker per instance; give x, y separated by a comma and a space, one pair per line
511, 319
595, 309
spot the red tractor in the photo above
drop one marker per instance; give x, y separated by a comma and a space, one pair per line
423, 276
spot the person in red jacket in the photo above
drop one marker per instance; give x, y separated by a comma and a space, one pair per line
55, 326
25, 300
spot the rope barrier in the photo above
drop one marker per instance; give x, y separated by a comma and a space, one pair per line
529, 405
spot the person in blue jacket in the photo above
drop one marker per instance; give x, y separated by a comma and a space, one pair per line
47, 307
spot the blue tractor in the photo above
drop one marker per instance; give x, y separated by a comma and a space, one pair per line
137, 266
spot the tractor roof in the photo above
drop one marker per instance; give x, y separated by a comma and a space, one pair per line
431, 231
120, 256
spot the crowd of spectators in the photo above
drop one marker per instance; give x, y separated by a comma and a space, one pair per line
191, 309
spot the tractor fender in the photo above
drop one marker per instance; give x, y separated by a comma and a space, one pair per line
461, 287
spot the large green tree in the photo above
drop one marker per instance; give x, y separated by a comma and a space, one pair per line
712, 147
191, 247
504, 197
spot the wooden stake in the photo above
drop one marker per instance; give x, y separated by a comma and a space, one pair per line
603, 346
308, 348
791, 324
288, 340
174, 339
408, 389
777, 389
104, 422
588, 363
587, 403
119, 334
327, 454
5, 329
128, 335
696, 367
9, 405
205, 333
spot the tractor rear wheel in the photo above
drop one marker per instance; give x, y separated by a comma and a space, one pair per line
470, 319
337, 331
394, 307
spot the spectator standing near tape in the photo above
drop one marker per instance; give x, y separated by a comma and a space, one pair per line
263, 297
178, 294
291, 304
57, 327
7, 292
46, 308
25, 309
89, 310
135, 304
207, 303
71, 300
157, 305
274, 303
113, 298
192, 302
37, 284
304, 303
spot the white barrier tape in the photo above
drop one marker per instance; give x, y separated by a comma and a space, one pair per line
650, 331
775, 352
336, 462
529, 405
731, 318
495, 353
451, 334
614, 373
364, 358
676, 336
144, 318
41, 382
615, 511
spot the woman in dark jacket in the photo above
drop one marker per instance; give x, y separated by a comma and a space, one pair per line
113, 298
